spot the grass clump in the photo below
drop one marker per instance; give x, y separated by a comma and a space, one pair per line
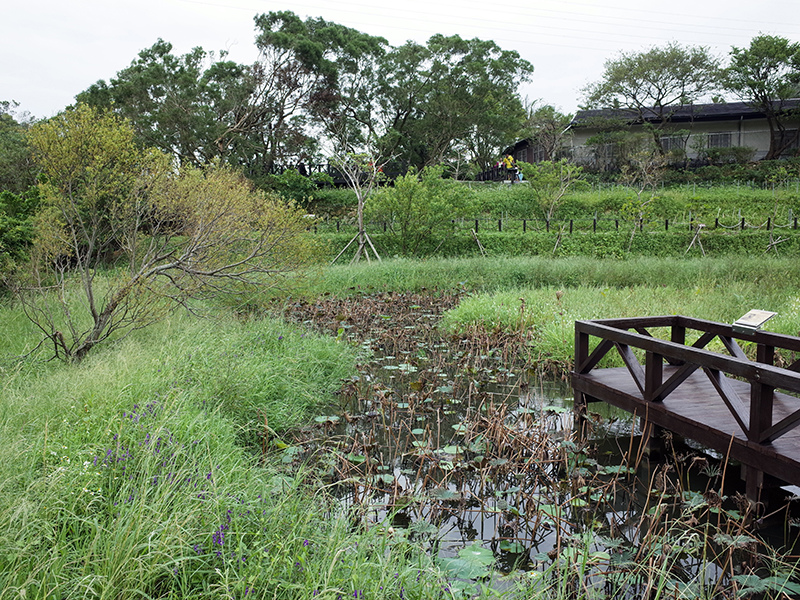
548, 314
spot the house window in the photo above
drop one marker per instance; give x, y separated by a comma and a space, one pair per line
522, 155
719, 140
789, 139
673, 142
538, 154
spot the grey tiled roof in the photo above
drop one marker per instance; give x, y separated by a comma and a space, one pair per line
723, 111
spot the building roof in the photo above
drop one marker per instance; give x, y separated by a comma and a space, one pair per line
722, 111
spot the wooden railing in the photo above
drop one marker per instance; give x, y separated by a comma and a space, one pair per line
764, 377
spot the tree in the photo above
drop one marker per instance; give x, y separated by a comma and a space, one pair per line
766, 75
550, 181
643, 171
163, 238
548, 130
17, 172
420, 207
650, 86
363, 173
188, 106
450, 97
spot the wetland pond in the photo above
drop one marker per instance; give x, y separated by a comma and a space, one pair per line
460, 444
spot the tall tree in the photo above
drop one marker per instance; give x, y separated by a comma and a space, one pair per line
456, 95
766, 75
185, 105
17, 171
311, 72
650, 86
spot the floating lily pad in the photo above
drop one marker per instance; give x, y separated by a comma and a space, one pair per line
512, 546
444, 494
462, 569
332, 419
476, 554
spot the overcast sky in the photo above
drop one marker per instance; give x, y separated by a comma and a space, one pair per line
53, 49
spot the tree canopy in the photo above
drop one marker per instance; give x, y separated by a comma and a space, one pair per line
766, 74
17, 171
317, 84
652, 85
162, 237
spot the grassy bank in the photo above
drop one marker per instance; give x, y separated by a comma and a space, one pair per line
141, 473
479, 274
544, 297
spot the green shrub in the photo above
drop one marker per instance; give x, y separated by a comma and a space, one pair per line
419, 209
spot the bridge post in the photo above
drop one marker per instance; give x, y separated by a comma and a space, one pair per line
761, 397
753, 483
580, 406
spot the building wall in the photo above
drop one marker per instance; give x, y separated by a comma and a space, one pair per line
753, 133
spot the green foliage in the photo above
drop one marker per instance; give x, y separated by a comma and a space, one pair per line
263, 373
16, 225
333, 201
419, 208
176, 236
179, 104
17, 172
550, 181
451, 101
765, 75
293, 186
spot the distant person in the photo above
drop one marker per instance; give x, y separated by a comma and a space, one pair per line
511, 168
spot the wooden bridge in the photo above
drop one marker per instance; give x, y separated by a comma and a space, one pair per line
748, 410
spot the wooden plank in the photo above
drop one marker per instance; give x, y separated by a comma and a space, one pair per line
730, 398
780, 428
633, 365
733, 347
674, 381
596, 356
654, 374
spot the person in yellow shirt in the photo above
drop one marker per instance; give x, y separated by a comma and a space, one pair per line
511, 168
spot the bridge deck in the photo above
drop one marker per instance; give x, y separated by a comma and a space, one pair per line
694, 410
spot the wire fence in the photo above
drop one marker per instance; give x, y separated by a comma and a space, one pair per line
582, 225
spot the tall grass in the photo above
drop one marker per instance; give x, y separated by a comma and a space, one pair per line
487, 274
139, 472
548, 314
